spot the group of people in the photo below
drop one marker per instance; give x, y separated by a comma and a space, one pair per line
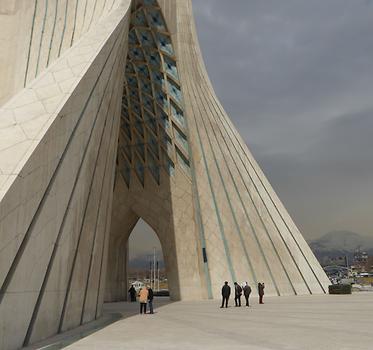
238, 291
145, 295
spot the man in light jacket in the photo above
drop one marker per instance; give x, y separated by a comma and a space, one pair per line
143, 299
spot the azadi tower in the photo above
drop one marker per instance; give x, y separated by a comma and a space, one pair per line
107, 115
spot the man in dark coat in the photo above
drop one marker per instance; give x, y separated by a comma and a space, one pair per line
246, 293
225, 293
261, 292
237, 294
132, 292
150, 299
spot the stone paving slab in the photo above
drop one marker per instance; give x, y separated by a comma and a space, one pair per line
342, 322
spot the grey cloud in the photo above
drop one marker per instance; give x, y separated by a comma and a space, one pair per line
296, 78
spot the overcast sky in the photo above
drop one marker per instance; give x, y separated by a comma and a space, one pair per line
296, 78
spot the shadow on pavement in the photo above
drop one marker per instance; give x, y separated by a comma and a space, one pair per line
112, 312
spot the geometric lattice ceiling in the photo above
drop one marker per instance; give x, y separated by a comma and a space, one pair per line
153, 126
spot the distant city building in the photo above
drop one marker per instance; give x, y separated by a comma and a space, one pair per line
360, 257
337, 261
137, 285
363, 265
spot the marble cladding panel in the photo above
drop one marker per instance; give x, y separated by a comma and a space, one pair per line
70, 117
46, 29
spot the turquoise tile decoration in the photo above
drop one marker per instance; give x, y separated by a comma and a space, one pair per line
155, 19
178, 115
133, 92
125, 99
164, 44
132, 82
127, 130
152, 124
153, 167
169, 166
167, 143
174, 91
140, 148
132, 38
125, 111
181, 139
161, 98
136, 54
130, 69
139, 19
128, 153
182, 160
140, 128
153, 114
136, 108
148, 103
153, 145
145, 37
140, 171
143, 71
146, 86
126, 173
159, 78
153, 58
151, 3
125, 105
170, 67
165, 122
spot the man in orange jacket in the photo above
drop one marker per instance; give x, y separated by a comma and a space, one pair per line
143, 299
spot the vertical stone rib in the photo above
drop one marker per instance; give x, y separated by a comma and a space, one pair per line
64, 309
283, 230
31, 41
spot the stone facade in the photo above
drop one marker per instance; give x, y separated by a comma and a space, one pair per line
107, 115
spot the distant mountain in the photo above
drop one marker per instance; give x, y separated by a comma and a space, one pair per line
340, 243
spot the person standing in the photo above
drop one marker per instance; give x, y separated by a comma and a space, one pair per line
132, 293
143, 299
261, 292
150, 300
237, 294
246, 293
225, 293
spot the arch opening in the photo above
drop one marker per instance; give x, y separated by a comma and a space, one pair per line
146, 266
153, 146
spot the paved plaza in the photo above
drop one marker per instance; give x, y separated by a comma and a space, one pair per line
303, 322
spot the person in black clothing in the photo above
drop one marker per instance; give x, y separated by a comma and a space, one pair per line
225, 292
246, 293
150, 299
261, 292
132, 292
237, 294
